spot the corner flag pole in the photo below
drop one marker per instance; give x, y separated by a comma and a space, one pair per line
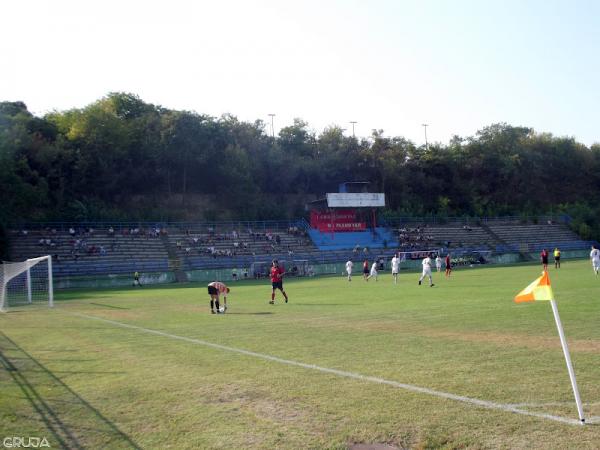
565, 348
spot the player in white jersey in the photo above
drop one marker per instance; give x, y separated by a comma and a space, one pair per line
349, 265
373, 273
595, 257
395, 267
426, 271
438, 263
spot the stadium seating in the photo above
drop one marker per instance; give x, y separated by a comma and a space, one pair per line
92, 253
184, 247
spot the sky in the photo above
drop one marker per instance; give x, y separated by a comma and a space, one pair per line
456, 65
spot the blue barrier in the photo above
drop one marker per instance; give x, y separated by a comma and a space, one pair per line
377, 238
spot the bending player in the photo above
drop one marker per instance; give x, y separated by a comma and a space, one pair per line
215, 289
277, 274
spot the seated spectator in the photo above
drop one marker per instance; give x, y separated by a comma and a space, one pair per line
42, 241
72, 231
102, 250
111, 231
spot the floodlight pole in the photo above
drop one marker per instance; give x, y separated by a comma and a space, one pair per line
353, 122
565, 348
425, 125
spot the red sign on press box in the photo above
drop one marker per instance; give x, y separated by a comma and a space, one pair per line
339, 220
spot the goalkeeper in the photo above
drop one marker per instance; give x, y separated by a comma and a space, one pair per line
215, 289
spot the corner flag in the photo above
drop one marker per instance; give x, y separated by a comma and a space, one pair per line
539, 290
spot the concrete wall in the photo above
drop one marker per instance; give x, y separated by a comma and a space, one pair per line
104, 281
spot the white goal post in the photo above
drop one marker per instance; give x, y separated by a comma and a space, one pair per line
26, 282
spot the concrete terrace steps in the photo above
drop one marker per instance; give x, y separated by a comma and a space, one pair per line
531, 234
146, 253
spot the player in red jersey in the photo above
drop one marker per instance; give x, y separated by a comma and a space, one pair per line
366, 270
448, 265
544, 258
277, 274
215, 289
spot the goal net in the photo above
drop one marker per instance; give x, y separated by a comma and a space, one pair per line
27, 282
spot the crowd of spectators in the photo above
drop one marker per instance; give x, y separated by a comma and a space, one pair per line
78, 241
233, 243
414, 238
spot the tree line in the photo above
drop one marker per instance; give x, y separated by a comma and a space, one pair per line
87, 164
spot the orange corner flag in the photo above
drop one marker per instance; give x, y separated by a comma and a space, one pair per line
540, 289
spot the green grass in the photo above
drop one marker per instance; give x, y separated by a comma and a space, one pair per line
84, 383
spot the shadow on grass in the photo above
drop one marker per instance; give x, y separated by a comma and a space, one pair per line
46, 393
249, 313
107, 306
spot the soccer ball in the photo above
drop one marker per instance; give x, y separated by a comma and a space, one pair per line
222, 309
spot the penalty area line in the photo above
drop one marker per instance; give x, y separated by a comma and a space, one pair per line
342, 373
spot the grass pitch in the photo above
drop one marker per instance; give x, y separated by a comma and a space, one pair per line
87, 383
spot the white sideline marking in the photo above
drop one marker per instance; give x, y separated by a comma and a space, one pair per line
342, 373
